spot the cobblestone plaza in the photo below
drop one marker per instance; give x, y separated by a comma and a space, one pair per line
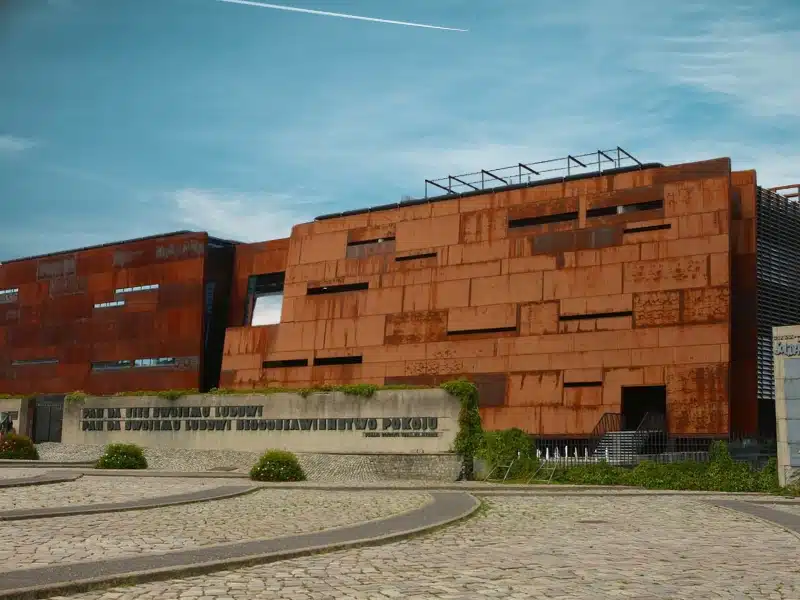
553, 542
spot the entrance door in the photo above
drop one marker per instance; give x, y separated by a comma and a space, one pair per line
637, 401
47, 419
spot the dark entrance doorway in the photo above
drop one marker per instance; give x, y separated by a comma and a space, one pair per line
47, 418
637, 401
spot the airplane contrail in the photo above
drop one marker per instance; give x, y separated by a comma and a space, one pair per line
340, 15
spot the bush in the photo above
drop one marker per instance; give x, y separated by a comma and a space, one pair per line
500, 448
685, 475
600, 473
469, 437
18, 447
277, 465
122, 456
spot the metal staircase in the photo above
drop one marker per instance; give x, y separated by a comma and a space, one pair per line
626, 447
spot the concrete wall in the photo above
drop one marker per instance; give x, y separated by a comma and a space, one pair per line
392, 421
18, 407
552, 298
786, 365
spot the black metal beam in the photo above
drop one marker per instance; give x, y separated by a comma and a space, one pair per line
572, 158
527, 168
490, 174
620, 150
441, 187
462, 182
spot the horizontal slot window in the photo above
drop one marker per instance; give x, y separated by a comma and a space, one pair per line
34, 362
337, 360
284, 364
375, 241
489, 330
582, 384
544, 220
604, 315
136, 288
415, 256
621, 209
648, 228
113, 304
137, 363
337, 289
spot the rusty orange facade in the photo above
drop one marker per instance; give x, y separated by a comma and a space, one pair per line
558, 300
127, 316
627, 292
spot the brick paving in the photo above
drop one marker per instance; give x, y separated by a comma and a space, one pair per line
263, 514
646, 547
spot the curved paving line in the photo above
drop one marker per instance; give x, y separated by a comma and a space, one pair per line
45, 464
217, 493
43, 479
785, 520
447, 508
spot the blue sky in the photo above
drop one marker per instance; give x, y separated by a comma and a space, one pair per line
123, 118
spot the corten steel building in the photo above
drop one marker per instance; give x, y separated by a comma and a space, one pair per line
576, 303
579, 303
145, 314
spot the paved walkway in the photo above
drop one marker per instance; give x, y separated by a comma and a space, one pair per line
263, 514
445, 507
575, 547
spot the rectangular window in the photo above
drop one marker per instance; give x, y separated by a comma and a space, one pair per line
34, 362
113, 304
489, 330
285, 364
365, 248
621, 209
137, 363
136, 288
337, 360
582, 384
543, 220
648, 228
415, 256
9, 296
155, 362
111, 365
264, 299
605, 315
337, 289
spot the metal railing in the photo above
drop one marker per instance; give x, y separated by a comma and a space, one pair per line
787, 191
523, 173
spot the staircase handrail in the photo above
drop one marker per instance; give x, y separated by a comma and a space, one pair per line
609, 421
651, 422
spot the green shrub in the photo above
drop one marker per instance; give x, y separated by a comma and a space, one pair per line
469, 437
76, 397
684, 475
600, 473
122, 456
18, 447
277, 465
500, 448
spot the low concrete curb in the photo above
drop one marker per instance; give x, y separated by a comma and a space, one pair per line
217, 493
6, 463
43, 479
447, 508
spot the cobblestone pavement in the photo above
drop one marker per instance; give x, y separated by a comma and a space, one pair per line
536, 547
94, 490
263, 514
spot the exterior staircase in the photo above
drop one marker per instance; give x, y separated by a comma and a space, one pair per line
624, 447
618, 447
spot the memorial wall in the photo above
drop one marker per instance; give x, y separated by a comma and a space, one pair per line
391, 421
786, 365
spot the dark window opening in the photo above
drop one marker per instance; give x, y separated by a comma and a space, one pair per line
282, 364
605, 315
415, 256
489, 330
337, 289
544, 220
34, 362
648, 228
264, 300
639, 401
337, 360
582, 384
375, 241
621, 209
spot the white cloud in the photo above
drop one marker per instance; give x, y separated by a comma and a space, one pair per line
242, 217
267, 310
10, 144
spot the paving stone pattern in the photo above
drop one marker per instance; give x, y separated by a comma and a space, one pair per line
263, 514
534, 547
92, 490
